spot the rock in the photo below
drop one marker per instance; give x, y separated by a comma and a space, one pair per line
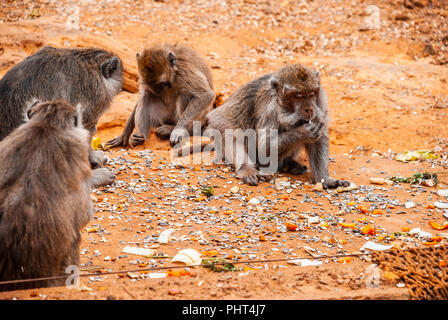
235, 189
409, 204
313, 220
443, 192
441, 205
254, 201
428, 50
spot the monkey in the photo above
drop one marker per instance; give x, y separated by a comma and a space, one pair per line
176, 88
91, 77
44, 195
291, 101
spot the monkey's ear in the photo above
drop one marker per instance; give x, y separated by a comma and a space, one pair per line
274, 83
30, 110
172, 59
109, 67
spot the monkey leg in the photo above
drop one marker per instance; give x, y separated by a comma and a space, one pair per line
318, 158
292, 166
164, 131
245, 167
101, 177
150, 112
123, 139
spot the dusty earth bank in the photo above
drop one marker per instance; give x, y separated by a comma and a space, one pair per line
387, 87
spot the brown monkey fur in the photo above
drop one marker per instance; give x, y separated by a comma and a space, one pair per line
44, 195
176, 88
91, 77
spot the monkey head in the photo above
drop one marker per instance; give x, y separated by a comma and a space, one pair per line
297, 88
112, 72
60, 115
157, 67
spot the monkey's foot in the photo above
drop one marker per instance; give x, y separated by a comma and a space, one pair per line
292, 166
252, 176
164, 131
177, 135
136, 140
120, 141
101, 177
330, 183
97, 159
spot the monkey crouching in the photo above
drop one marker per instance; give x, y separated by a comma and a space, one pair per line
269, 121
44, 195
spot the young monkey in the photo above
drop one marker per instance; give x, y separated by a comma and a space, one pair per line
176, 88
291, 101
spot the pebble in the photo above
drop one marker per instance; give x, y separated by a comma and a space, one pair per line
409, 204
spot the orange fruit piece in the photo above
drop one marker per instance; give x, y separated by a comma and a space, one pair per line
368, 230
345, 260
291, 226
348, 225
363, 209
437, 226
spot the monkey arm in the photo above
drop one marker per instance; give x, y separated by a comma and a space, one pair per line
318, 159
123, 139
196, 108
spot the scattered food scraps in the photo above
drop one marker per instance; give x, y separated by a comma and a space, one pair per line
165, 236
138, 251
189, 257
415, 155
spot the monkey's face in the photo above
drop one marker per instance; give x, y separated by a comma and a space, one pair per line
157, 67
297, 107
297, 88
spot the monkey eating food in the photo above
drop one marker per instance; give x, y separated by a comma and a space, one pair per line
291, 102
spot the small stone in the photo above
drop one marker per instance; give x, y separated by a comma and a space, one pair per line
254, 201
409, 204
235, 189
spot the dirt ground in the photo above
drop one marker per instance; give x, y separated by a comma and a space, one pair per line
387, 85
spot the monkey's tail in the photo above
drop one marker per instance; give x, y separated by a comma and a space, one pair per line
186, 150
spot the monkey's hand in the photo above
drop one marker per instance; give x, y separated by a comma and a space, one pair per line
101, 177
136, 140
252, 176
97, 159
178, 134
164, 131
330, 183
311, 131
120, 141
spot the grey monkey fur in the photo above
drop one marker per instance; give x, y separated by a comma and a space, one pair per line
90, 77
290, 100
